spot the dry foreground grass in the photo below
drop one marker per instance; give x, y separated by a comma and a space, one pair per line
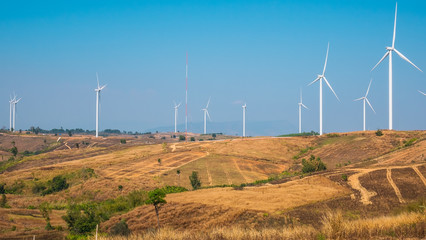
374, 187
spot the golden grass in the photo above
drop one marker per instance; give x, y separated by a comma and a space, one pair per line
272, 197
334, 227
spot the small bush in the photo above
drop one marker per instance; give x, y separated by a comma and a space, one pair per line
410, 142
121, 228
379, 133
192, 139
181, 138
3, 202
195, 181
313, 165
345, 177
57, 184
123, 141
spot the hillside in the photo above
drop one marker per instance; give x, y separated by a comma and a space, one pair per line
367, 176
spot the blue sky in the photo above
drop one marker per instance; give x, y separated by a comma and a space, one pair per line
259, 52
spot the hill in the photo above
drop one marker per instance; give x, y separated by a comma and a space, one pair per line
253, 182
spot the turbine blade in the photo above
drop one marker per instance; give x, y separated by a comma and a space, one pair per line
370, 105
368, 89
97, 78
359, 99
394, 27
301, 95
406, 59
326, 57
208, 102
303, 105
314, 81
174, 103
328, 84
179, 104
208, 115
386, 54
422, 92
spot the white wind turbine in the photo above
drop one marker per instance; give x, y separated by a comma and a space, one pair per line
98, 99
300, 111
206, 113
244, 119
14, 111
320, 78
365, 99
176, 113
11, 102
422, 92
389, 53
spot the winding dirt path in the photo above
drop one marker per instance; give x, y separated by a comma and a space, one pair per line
241, 172
420, 174
356, 184
392, 183
173, 147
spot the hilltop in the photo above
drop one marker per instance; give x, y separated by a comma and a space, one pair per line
251, 183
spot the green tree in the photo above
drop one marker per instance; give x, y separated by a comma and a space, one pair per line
45, 211
214, 135
156, 198
181, 138
192, 139
195, 181
159, 161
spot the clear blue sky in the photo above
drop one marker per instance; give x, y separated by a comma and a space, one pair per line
260, 52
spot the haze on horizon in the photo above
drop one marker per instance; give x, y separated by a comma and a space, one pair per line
259, 52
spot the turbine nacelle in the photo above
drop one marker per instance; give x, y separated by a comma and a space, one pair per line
390, 48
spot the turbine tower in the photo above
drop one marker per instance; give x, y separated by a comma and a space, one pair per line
389, 51
320, 78
186, 98
176, 113
300, 111
98, 99
244, 119
365, 99
206, 113
422, 92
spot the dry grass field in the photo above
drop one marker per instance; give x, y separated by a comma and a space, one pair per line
384, 174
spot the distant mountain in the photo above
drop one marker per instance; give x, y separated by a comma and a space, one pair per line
263, 128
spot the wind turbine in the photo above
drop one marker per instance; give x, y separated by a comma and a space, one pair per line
320, 78
11, 102
300, 111
206, 113
422, 92
14, 111
244, 119
365, 99
389, 51
176, 113
98, 99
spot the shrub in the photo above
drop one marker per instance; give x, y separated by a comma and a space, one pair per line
181, 138
16, 187
3, 202
123, 141
57, 184
120, 188
81, 219
409, 142
313, 165
345, 177
192, 139
195, 181
121, 228
379, 133
2, 190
